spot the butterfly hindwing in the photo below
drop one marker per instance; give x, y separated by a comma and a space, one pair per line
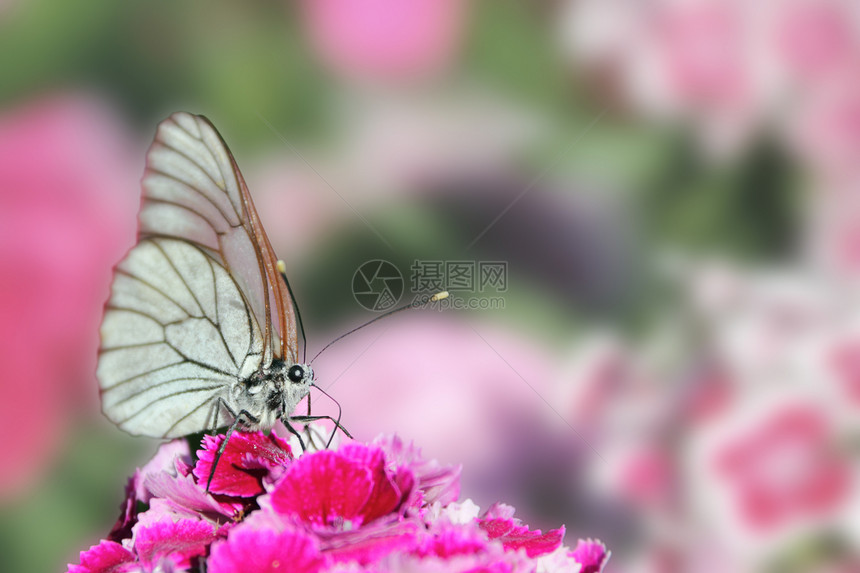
175, 337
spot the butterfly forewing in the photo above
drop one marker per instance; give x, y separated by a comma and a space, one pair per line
283, 313
193, 190
197, 304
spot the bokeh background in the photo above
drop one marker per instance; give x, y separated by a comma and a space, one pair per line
674, 185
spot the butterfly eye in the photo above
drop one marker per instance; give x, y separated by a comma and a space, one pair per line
296, 373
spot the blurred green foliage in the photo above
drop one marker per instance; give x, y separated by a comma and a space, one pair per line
78, 495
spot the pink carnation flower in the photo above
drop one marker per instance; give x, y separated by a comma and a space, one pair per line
360, 507
385, 39
785, 468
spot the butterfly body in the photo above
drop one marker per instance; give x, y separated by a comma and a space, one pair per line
268, 395
200, 330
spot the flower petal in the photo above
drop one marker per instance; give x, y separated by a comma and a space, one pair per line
106, 557
180, 541
499, 524
128, 512
449, 540
247, 458
172, 458
370, 543
323, 489
384, 496
436, 482
185, 492
248, 550
592, 554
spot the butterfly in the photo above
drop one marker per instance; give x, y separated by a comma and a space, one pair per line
199, 331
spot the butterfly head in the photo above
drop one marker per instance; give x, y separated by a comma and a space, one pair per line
300, 374
290, 383
274, 392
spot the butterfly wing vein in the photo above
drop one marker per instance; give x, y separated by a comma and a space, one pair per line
196, 306
176, 337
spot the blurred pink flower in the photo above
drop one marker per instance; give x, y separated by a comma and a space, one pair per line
729, 67
764, 325
385, 39
439, 381
283, 186
702, 46
68, 195
785, 469
619, 396
833, 233
816, 38
845, 361
604, 371
709, 394
648, 477
700, 60
826, 129
742, 450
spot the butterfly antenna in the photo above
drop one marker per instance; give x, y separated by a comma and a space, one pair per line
282, 269
436, 297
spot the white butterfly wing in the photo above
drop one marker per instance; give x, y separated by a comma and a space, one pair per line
175, 337
198, 303
193, 190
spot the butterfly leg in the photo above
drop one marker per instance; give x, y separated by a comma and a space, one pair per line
294, 432
216, 410
311, 432
336, 423
237, 418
